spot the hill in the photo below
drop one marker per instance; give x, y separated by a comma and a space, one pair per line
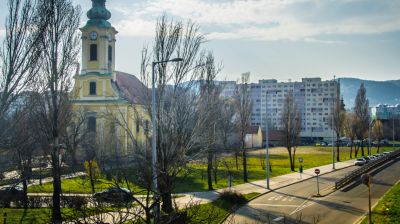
378, 92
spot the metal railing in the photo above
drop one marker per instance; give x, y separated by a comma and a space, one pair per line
365, 168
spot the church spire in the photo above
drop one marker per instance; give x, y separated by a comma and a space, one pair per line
98, 14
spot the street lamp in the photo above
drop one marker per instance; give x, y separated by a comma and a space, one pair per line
333, 127
156, 208
266, 133
369, 136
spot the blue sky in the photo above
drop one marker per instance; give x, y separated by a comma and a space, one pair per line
280, 39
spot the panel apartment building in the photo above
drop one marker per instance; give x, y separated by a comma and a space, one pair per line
315, 100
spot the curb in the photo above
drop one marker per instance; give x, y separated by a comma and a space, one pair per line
278, 188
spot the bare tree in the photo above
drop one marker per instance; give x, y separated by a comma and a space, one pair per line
243, 103
21, 50
339, 116
349, 129
291, 120
177, 100
209, 106
377, 132
227, 120
361, 112
60, 46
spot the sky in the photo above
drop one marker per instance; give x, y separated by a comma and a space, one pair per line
271, 39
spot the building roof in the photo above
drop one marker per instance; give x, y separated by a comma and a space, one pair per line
253, 129
132, 88
273, 135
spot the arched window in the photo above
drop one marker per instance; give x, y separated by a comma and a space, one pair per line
93, 52
110, 53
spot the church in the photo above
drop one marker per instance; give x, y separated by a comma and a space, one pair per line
111, 102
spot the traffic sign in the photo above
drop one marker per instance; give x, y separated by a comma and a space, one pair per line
366, 179
300, 159
317, 171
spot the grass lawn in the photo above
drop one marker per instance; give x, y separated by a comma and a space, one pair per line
195, 179
388, 208
78, 185
36, 215
215, 211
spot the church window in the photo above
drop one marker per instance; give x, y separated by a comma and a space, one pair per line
110, 53
92, 88
93, 52
92, 124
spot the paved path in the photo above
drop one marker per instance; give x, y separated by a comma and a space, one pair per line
260, 186
298, 201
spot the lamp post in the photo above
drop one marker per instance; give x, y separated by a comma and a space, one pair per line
333, 127
266, 133
156, 208
369, 137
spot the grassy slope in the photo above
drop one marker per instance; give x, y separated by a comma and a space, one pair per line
37, 216
195, 178
388, 208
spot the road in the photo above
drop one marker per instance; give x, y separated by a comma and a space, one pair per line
298, 202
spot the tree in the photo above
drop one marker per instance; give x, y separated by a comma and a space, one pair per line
177, 120
349, 129
21, 51
226, 121
377, 132
93, 170
60, 50
243, 103
339, 116
291, 120
361, 112
209, 106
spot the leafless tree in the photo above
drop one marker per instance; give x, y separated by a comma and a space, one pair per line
361, 112
177, 101
60, 46
349, 128
291, 120
21, 50
227, 120
339, 116
209, 105
377, 132
243, 105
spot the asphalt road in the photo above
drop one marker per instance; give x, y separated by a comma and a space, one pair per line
298, 202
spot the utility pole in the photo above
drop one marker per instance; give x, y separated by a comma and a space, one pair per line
333, 127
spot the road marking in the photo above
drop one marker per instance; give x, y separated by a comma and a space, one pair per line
273, 205
271, 198
303, 205
278, 197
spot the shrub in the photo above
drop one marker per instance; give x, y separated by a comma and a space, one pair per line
233, 197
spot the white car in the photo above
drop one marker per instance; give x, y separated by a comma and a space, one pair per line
360, 162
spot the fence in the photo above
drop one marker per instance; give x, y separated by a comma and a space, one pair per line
372, 164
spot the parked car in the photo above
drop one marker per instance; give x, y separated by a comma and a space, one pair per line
8, 194
114, 195
367, 159
360, 162
385, 153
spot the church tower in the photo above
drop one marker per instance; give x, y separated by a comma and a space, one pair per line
98, 42
96, 80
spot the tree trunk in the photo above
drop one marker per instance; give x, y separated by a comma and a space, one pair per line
209, 170
91, 176
362, 148
236, 159
245, 166
215, 169
351, 150
290, 159
167, 202
337, 152
56, 211
357, 147
25, 191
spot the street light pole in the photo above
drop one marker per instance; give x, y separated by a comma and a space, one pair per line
156, 208
369, 137
333, 127
266, 134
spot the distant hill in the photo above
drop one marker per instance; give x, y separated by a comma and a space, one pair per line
378, 92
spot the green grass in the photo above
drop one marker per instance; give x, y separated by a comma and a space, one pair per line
215, 211
36, 215
195, 179
78, 185
388, 208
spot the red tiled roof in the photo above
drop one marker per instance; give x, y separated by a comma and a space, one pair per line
252, 130
132, 88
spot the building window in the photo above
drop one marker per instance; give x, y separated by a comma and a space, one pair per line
93, 52
92, 88
137, 126
92, 124
110, 53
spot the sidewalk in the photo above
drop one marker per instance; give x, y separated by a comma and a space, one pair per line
260, 185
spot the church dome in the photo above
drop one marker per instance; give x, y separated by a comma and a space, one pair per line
98, 14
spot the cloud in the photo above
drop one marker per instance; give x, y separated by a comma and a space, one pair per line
269, 20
